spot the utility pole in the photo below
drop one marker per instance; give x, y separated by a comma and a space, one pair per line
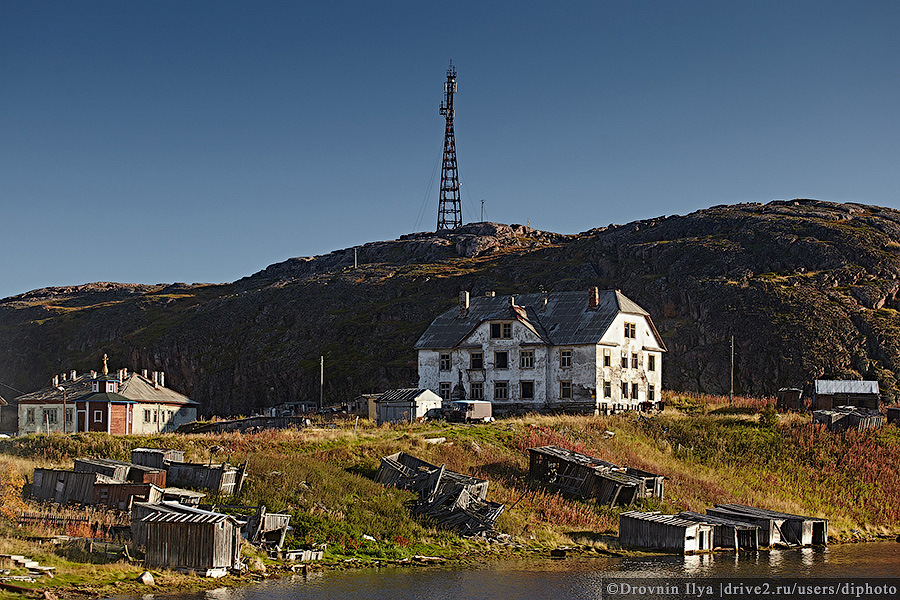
321, 381
449, 209
731, 388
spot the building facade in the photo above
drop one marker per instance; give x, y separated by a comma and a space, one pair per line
594, 351
120, 403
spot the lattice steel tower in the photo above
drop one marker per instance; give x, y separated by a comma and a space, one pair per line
449, 209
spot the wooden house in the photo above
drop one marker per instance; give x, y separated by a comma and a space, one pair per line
727, 533
206, 543
664, 532
584, 476
830, 394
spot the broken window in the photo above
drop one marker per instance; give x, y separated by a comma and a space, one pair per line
444, 390
501, 331
526, 390
501, 390
651, 362
624, 391
29, 415
607, 357
630, 330
526, 359
476, 360
565, 390
624, 360
565, 359
445, 361
607, 389
49, 415
634, 360
501, 359
476, 391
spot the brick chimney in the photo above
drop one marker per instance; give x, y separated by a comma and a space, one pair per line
463, 302
594, 298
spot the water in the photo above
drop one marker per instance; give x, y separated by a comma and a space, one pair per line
570, 579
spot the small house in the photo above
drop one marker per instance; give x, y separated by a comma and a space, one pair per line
830, 394
664, 532
408, 405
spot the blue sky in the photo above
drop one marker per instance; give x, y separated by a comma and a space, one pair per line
160, 141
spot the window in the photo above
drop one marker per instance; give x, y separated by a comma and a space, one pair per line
634, 360
526, 359
49, 415
630, 330
29, 415
634, 391
526, 390
565, 390
445, 361
624, 391
70, 415
501, 390
607, 389
651, 393
98, 416
565, 359
501, 359
476, 391
501, 331
651, 362
476, 360
607, 357
146, 416
444, 390
624, 360
155, 415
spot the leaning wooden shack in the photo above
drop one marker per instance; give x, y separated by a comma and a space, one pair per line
727, 533
453, 500
220, 479
585, 476
66, 487
205, 543
664, 532
795, 530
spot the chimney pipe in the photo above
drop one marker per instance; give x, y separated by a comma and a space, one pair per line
489, 294
55, 380
463, 301
144, 373
594, 300
73, 375
62, 376
512, 301
162, 379
155, 380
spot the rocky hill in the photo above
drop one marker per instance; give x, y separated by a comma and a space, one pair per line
808, 289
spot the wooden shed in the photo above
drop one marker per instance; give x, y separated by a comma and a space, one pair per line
408, 405
584, 476
790, 399
849, 417
121, 495
794, 529
831, 393
115, 469
220, 479
769, 526
156, 458
727, 533
206, 543
664, 532
65, 487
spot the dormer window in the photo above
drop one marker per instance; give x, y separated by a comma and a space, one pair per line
501, 331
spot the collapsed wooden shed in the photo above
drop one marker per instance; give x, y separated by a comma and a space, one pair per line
220, 479
66, 487
157, 458
114, 469
585, 476
122, 494
769, 526
208, 543
849, 417
664, 532
793, 529
727, 533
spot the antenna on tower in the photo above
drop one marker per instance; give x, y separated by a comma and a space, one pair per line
449, 209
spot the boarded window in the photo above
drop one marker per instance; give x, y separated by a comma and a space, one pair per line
49, 415
526, 390
29, 415
526, 359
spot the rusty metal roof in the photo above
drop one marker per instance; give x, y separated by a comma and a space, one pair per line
565, 318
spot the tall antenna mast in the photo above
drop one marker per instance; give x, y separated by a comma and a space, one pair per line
449, 209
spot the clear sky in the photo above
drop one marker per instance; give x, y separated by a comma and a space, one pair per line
200, 141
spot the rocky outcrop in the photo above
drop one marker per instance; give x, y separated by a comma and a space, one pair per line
808, 289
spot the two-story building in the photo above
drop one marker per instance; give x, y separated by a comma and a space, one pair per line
116, 403
594, 351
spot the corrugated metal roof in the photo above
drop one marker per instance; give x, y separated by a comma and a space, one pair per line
660, 518
829, 386
135, 387
565, 318
405, 395
106, 398
163, 517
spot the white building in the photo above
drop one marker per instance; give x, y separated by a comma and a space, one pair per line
593, 351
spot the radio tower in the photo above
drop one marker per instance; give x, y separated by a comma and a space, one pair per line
449, 209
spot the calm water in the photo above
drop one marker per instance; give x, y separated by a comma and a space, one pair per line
574, 579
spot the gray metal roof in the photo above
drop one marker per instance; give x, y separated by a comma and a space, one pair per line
404, 395
565, 318
661, 518
828, 386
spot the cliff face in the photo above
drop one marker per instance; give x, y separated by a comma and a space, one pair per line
808, 289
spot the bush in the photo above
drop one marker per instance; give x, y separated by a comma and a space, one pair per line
769, 416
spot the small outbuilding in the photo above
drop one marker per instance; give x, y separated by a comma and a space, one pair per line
727, 533
664, 532
206, 543
408, 405
829, 394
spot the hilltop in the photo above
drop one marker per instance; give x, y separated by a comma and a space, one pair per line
807, 288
